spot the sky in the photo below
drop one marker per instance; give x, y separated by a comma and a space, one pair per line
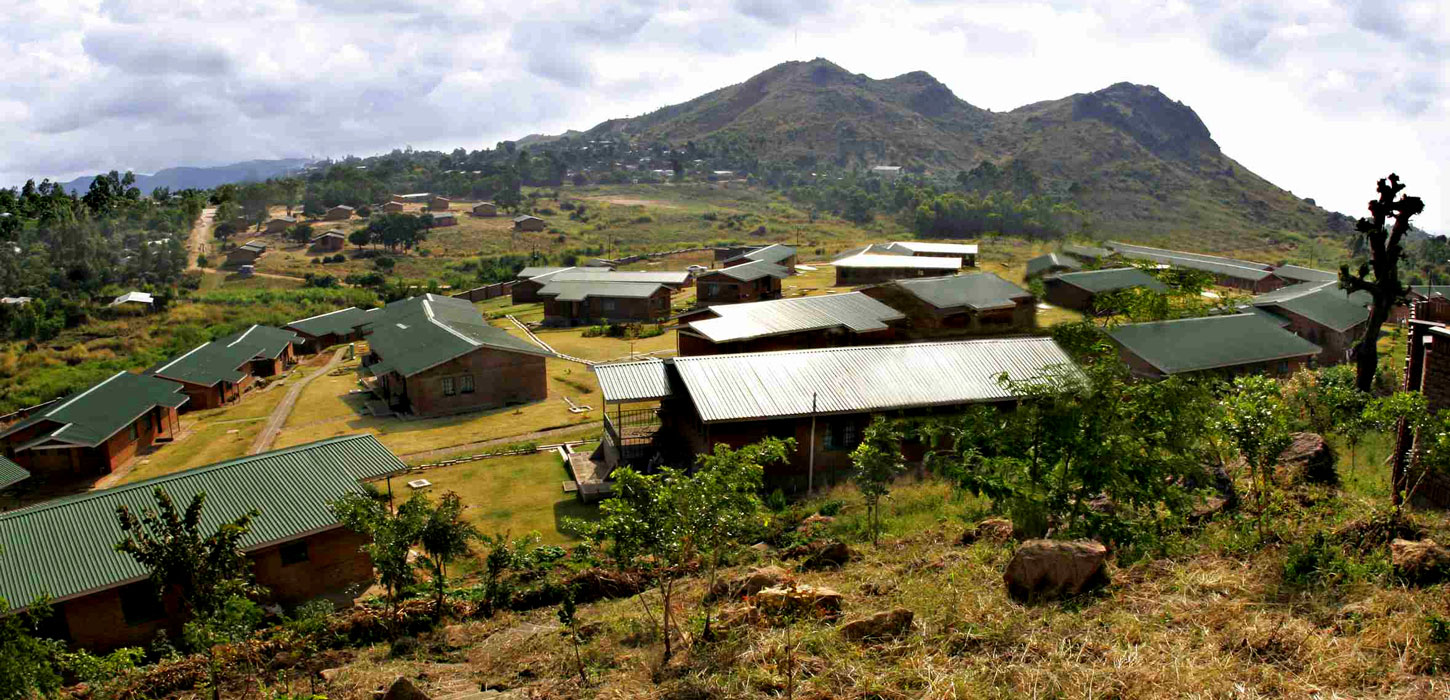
1321, 97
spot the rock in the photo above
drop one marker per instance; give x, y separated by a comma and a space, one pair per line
1423, 561
1045, 569
328, 674
760, 547
456, 636
801, 600
1309, 458
894, 623
878, 588
823, 555
814, 522
403, 689
989, 530
1211, 506
750, 582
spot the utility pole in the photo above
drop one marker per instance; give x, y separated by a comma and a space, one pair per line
811, 469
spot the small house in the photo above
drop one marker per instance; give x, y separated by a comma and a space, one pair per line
445, 219
317, 333
1320, 313
775, 253
966, 252
595, 301
333, 240
392, 207
486, 209
978, 302
1226, 272
15, 301
218, 373
280, 224
1051, 264
247, 253
752, 281
341, 212
528, 223
136, 301
875, 268
439, 203
1079, 290
799, 323
1231, 344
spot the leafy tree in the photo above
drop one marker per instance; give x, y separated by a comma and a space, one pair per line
876, 461
1256, 420
232, 621
203, 568
27, 667
392, 534
1380, 277
1409, 409
445, 537
224, 230
360, 237
569, 618
300, 233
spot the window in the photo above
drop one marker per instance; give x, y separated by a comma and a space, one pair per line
448, 388
135, 432
839, 435
1283, 366
711, 290
466, 382
293, 553
140, 604
606, 304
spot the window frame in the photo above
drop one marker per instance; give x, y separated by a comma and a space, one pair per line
450, 387
465, 384
140, 604
288, 553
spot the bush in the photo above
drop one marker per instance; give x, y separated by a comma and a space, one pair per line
831, 508
201, 261
384, 264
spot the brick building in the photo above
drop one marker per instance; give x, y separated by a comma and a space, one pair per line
439, 203
1051, 264
329, 241
788, 324
977, 302
445, 219
432, 355
1080, 290
341, 212
97, 430
589, 302
1247, 275
246, 254
485, 209
1427, 370
218, 373
279, 224
1233, 344
528, 223
775, 253
1321, 313
875, 268
101, 599
532, 279
317, 333
752, 281
823, 398
966, 252
392, 207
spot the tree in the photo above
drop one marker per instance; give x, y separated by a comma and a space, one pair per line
1381, 275
875, 462
224, 230
300, 233
360, 237
392, 535
445, 536
1407, 409
26, 660
204, 569
1256, 419
569, 618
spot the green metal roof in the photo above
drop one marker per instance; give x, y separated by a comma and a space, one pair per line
980, 291
419, 333
1086, 252
11, 473
1049, 262
340, 322
222, 359
1426, 290
773, 253
1210, 342
92, 416
1213, 264
66, 547
579, 291
1295, 273
1323, 303
751, 271
1113, 279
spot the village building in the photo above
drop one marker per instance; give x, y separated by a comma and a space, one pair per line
752, 281
485, 209
218, 373
439, 203
1229, 344
413, 197
1051, 264
140, 301
824, 398
531, 280
874, 268
977, 302
1086, 253
1427, 371
1320, 313
966, 252
279, 224
341, 212
1227, 272
96, 431
775, 253
330, 241
63, 552
887, 171
790, 324
317, 333
11, 473
528, 223
392, 207
1294, 274
591, 302
247, 253
730, 252
445, 220
1079, 290
15, 301
432, 355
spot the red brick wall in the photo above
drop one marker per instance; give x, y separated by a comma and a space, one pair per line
1334, 343
96, 622
499, 379
102, 459
1059, 293
728, 290
591, 311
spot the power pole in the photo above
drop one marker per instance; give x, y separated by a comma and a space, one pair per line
811, 469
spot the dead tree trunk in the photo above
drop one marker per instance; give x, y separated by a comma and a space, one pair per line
1383, 285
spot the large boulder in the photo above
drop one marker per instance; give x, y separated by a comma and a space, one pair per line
989, 530
750, 582
1309, 458
1046, 569
801, 600
403, 689
822, 555
1423, 561
882, 625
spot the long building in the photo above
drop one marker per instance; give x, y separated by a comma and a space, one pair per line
1228, 272
790, 324
218, 373
1319, 312
976, 302
532, 280
1080, 290
874, 268
1233, 344
738, 284
316, 333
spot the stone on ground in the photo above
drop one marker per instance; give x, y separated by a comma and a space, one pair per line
882, 625
1309, 458
1423, 561
750, 582
1047, 569
403, 689
989, 530
800, 600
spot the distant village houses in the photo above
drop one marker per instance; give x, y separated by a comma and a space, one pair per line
341, 212
1080, 290
528, 223
247, 253
486, 209
974, 302
789, 324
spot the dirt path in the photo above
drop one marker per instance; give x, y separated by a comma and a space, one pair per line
284, 409
526, 437
271, 275
631, 202
196, 243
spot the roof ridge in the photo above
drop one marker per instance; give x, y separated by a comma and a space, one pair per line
243, 336
428, 312
310, 318
888, 346
81, 395
206, 468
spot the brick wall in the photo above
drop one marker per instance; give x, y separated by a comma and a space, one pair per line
500, 378
1067, 296
487, 292
595, 310
715, 288
157, 424
851, 276
526, 292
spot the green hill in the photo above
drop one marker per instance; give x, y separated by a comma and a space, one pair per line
1140, 162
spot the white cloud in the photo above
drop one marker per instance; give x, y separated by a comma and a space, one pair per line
1319, 96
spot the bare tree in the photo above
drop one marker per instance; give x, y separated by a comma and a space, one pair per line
1385, 251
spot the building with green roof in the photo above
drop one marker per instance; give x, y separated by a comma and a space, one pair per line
776, 253
1232, 344
1051, 263
95, 431
316, 333
1079, 290
740, 284
979, 301
1321, 313
217, 373
578, 302
64, 549
11, 473
434, 355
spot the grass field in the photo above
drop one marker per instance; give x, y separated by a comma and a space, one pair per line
517, 495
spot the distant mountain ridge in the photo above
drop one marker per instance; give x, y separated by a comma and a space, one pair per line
1138, 160
184, 177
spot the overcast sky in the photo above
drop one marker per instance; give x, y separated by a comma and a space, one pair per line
1319, 96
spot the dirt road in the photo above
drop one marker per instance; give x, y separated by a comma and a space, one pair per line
284, 409
200, 233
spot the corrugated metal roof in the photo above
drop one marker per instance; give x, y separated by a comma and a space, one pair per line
11, 473
1086, 252
340, 322
1210, 342
873, 248
905, 262
1228, 267
758, 319
584, 275
418, 333
1295, 273
66, 547
751, 271
645, 380
222, 359
1321, 302
980, 291
1098, 281
133, 297
566, 290
532, 272
1428, 290
773, 253
91, 416
930, 248
1050, 262
754, 386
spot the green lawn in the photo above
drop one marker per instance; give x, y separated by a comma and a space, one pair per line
517, 495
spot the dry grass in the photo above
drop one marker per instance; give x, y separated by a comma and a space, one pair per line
516, 495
